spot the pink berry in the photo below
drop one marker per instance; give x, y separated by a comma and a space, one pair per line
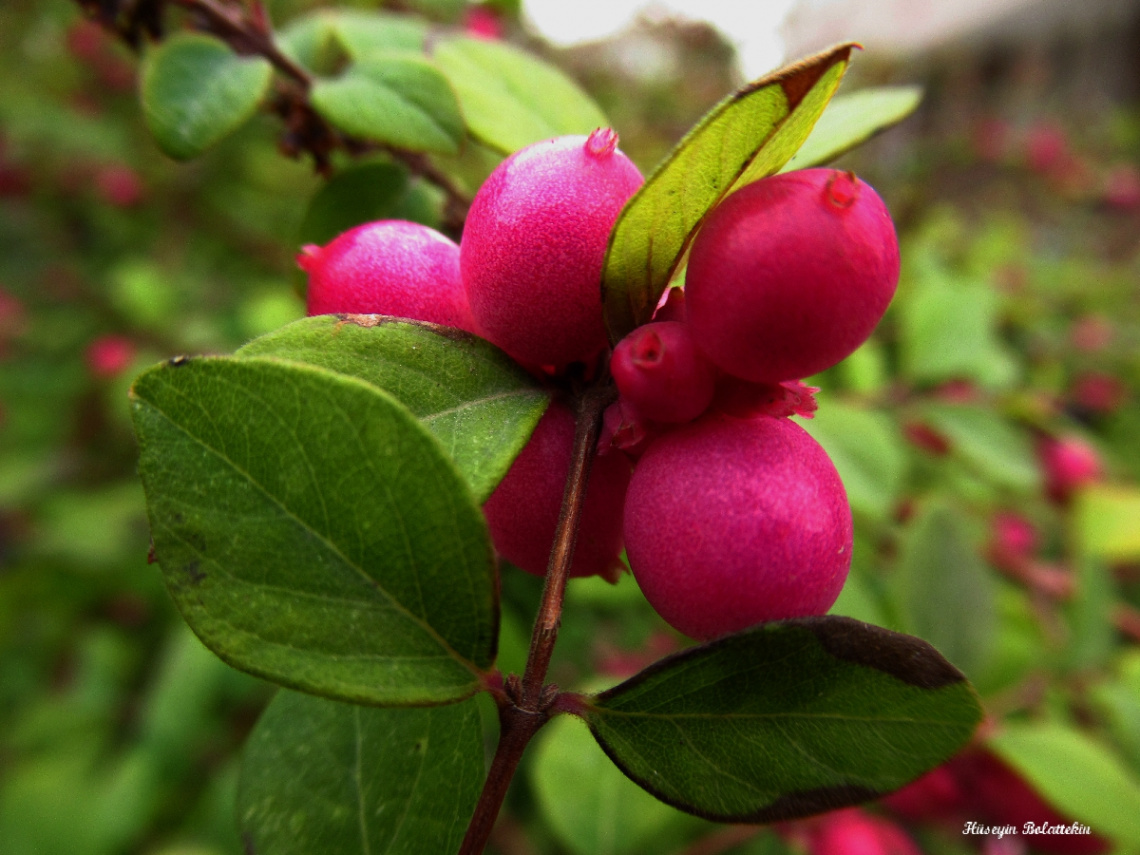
535, 242
854, 832
522, 513
659, 369
110, 355
389, 267
732, 522
1069, 463
790, 274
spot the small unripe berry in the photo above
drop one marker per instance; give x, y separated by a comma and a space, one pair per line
388, 267
659, 369
733, 522
535, 242
522, 513
790, 274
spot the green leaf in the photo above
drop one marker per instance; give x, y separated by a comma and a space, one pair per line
1106, 518
325, 778
592, 807
511, 99
988, 443
851, 120
365, 193
785, 720
1076, 775
948, 328
311, 41
401, 100
365, 34
313, 533
867, 451
474, 398
746, 137
946, 589
196, 91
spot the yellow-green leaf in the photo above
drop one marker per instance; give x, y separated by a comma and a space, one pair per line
746, 137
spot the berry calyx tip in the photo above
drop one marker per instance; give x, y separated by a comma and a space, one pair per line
602, 142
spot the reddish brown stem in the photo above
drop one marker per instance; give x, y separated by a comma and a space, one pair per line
528, 703
245, 34
589, 417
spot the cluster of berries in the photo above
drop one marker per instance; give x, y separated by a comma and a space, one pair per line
730, 513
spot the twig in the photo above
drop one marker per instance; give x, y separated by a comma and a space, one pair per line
528, 703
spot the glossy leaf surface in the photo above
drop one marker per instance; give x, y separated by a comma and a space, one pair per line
476, 401
195, 91
321, 777
313, 533
746, 137
851, 120
396, 99
787, 719
510, 98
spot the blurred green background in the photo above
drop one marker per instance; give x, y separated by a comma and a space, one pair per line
1014, 341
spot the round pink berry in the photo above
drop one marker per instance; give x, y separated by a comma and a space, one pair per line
660, 371
1069, 463
522, 513
790, 274
110, 355
388, 267
535, 242
733, 522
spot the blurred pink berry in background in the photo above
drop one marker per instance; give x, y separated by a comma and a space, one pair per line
481, 22
1047, 149
1013, 540
1091, 333
1122, 187
110, 355
119, 185
855, 832
1069, 463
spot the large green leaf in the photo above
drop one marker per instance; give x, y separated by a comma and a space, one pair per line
787, 719
313, 533
320, 777
365, 34
852, 119
946, 590
479, 404
1075, 774
399, 99
511, 99
746, 137
195, 91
